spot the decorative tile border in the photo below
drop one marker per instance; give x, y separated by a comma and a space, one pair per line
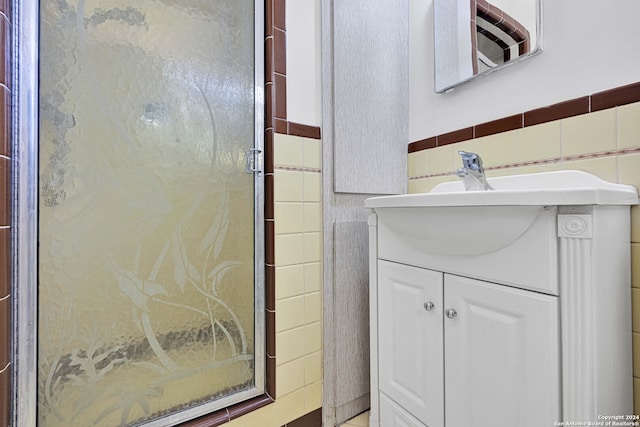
587, 156
587, 104
297, 169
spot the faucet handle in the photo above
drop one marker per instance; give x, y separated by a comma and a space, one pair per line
471, 161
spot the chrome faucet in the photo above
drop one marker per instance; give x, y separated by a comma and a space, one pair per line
472, 172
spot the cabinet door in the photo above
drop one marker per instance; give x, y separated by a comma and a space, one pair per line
391, 415
502, 356
410, 340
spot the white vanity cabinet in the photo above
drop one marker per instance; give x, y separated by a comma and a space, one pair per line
501, 308
470, 352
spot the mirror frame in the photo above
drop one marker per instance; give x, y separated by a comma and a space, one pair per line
537, 49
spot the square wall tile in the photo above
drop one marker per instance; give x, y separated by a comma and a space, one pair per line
635, 224
312, 277
313, 338
289, 249
635, 310
289, 281
636, 354
635, 267
313, 397
290, 345
603, 167
288, 186
288, 217
312, 187
290, 377
313, 307
311, 153
629, 125
440, 160
313, 368
589, 133
287, 150
629, 170
312, 247
290, 313
417, 186
290, 407
636, 395
417, 163
539, 142
500, 149
312, 217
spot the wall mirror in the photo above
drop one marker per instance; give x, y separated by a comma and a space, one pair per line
477, 37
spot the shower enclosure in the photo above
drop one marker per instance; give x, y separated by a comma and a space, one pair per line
139, 210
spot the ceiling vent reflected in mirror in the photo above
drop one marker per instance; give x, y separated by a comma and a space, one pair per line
476, 37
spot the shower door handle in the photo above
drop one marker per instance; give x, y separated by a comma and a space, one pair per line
252, 157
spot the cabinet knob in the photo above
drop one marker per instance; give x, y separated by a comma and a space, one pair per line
451, 313
429, 306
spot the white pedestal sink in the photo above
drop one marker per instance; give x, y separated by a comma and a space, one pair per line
558, 241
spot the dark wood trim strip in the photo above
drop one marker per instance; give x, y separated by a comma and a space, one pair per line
5, 265
270, 320
305, 131
271, 376
5, 191
558, 111
423, 144
455, 136
280, 110
244, 408
312, 419
615, 97
279, 51
498, 126
5, 397
279, 17
611, 98
281, 126
210, 420
5, 333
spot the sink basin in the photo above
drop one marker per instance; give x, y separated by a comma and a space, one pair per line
560, 188
452, 221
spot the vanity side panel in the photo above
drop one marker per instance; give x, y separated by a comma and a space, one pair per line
374, 412
528, 263
612, 311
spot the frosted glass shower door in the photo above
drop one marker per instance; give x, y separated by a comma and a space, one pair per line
148, 307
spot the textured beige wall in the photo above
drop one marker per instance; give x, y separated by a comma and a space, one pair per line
298, 252
600, 139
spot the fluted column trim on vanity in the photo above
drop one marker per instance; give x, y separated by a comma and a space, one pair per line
577, 305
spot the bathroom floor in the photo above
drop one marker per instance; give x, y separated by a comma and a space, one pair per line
361, 420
